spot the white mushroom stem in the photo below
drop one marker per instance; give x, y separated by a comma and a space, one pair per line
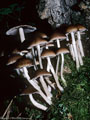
35, 85
80, 43
48, 67
21, 33
61, 71
49, 88
45, 87
58, 43
33, 54
57, 64
79, 54
40, 92
47, 47
26, 75
29, 55
39, 56
54, 75
50, 83
75, 50
36, 104
58, 59
17, 71
72, 52
67, 38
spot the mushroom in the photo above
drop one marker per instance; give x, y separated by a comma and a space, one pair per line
30, 91
57, 36
37, 41
48, 54
21, 29
22, 64
36, 86
62, 51
72, 29
41, 74
80, 29
20, 52
13, 58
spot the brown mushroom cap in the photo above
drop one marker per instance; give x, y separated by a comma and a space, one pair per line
17, 51
27, 29
80, 27
12, 59
37, 41
23, 62
48, 53
71, 29
29, 90
57, 35
40, 34
42, 72
62, 50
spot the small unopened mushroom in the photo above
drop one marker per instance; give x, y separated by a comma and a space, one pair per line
21, 29
48, 54
72, 29
62, 51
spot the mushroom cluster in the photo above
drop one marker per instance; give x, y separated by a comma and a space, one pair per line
33, 61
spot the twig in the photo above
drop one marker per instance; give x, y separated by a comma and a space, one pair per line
7, 108
16, 118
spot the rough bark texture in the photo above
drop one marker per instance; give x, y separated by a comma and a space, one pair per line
56, 11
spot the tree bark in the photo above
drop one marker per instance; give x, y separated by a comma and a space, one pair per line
56, 11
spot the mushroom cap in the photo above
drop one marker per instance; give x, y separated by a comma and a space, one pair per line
23, 62
48, 53
29, 90
42, 72
80, 27
62, 50
40, 34
14, 30
57, 35
71, 28
37, 41
13, 58
17, 51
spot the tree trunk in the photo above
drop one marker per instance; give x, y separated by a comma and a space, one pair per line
56, 11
